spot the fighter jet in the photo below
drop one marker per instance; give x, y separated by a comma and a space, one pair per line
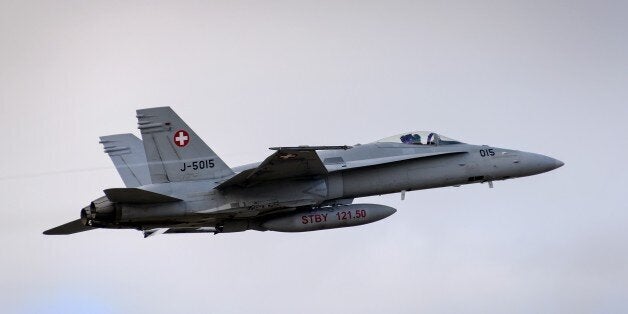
175, 183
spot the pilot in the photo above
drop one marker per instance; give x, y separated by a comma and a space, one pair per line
430, 139
416, 139
406, 139
411, 139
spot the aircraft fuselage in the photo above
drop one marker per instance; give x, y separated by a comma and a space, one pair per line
174, 181
477, 164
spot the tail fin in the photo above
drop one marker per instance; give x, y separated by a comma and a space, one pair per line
127, 153
174, 152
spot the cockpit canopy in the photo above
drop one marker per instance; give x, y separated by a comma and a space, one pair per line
420, 138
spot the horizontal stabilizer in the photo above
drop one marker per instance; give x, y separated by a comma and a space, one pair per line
69, 228
154, 232
137, 196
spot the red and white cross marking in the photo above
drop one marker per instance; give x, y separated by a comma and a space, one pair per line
181, 138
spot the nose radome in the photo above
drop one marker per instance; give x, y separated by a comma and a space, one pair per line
528, 164
549, 163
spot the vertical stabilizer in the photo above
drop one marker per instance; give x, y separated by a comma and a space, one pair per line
127, 153
174, 151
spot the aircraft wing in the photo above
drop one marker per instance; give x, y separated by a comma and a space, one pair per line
68, 228
302, 161
286, 162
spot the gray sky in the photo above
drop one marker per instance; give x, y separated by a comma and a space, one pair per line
542, 76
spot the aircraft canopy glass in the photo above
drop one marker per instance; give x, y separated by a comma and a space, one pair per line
420, 138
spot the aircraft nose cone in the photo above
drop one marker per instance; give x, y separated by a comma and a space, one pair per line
552, 163
545, 163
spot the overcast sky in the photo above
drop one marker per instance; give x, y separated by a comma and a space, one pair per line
544, 76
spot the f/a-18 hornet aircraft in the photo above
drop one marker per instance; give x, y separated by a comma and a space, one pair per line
175, 183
